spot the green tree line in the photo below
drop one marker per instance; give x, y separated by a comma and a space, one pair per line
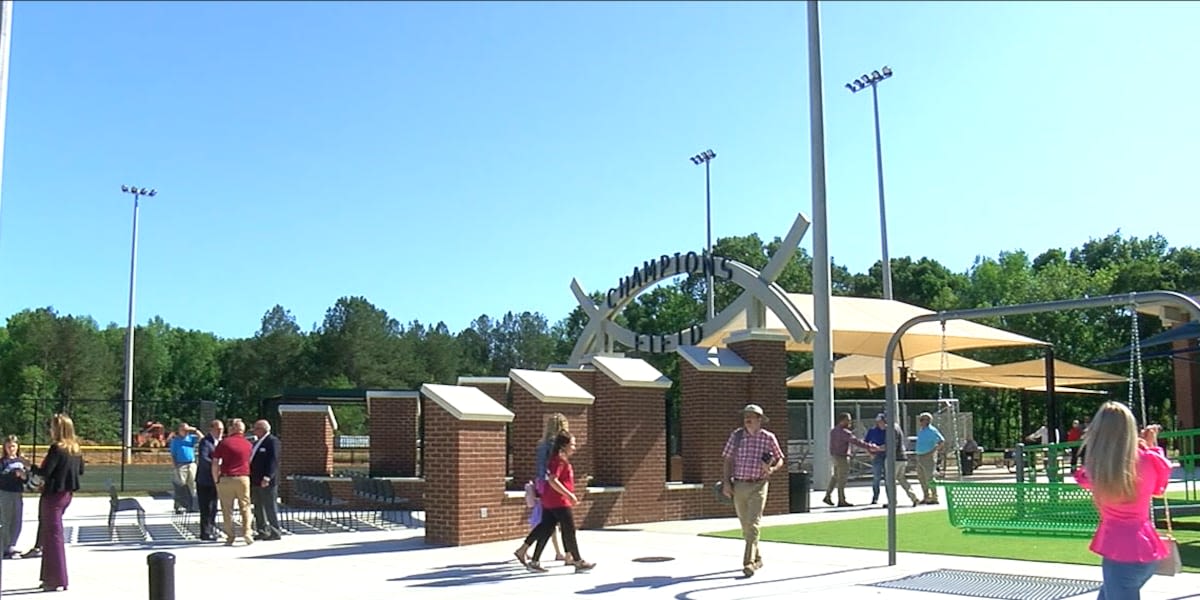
50, 361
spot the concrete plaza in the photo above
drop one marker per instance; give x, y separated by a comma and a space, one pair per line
660, 560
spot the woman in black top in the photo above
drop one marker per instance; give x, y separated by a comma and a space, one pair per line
60, 472
13, 467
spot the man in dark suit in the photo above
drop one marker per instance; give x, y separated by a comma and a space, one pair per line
264, 483
206, 488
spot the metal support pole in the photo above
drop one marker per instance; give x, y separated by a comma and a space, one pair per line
823, 342
126, 454
1051, 399
1019, 459
162, 575
887, 263
708, 221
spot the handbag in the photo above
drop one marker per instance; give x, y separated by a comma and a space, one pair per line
1171, 564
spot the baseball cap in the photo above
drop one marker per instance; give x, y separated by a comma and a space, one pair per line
755, 409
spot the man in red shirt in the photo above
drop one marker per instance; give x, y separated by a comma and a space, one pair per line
231, 472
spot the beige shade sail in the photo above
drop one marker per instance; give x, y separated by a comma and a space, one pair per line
1001, 383
858, 372
1030, 374
864, 326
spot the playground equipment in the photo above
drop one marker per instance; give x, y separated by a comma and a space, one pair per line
152, 435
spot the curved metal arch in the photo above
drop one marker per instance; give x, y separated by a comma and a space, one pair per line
759, 288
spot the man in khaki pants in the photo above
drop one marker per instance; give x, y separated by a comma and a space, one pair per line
751, 455
231, 472
840, 440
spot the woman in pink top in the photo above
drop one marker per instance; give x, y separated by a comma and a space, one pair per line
1124, 469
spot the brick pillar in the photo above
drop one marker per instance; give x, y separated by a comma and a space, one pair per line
464, 460
536, 395
1187, 386
306, 434
629, 425
711, 399
767, 354
392, 418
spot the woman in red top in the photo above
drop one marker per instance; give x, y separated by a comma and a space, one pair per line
556, 506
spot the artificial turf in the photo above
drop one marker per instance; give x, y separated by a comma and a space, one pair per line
930, 532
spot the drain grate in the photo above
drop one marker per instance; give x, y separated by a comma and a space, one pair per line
992, 585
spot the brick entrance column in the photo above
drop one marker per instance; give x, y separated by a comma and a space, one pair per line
307, 440
392, 419
712, 392
628, 429
767, 387
536, 395
464, 465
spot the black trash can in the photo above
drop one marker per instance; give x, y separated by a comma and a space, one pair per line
799, 488
968, 462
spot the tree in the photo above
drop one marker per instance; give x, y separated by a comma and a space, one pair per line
357, 340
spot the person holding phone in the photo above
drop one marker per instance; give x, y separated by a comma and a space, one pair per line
1124, 469
752, 455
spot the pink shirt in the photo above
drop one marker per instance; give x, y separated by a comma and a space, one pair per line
1126, 532
748, 460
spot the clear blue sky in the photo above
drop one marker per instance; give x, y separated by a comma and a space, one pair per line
449, 160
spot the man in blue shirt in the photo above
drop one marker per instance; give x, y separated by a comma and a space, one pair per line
878, 435
929, 445
183, 454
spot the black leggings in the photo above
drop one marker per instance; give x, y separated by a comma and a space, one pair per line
551, 517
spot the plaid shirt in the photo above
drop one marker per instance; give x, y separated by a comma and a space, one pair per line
748, 463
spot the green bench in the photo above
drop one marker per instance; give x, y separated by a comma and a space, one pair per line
1062, 509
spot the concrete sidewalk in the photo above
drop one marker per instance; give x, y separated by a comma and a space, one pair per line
660, 560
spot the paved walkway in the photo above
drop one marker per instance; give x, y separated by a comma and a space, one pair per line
390, 564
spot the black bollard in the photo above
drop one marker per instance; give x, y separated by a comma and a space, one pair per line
162, 575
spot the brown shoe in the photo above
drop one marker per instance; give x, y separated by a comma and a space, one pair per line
748, 570
536, 567
583, 566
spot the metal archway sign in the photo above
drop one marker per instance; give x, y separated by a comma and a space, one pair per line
602, 334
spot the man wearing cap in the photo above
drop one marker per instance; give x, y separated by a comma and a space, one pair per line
841, 437
751, 455
878, 435
929, 445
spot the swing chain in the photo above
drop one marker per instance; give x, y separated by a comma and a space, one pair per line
1135, 366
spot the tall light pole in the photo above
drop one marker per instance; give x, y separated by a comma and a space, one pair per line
704, 158
128, 396
872, 80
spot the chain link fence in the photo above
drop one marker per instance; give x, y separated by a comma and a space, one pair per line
98, 424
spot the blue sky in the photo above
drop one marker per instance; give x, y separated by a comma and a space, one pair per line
448, 160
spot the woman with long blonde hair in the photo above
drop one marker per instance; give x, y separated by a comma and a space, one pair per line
553, 425
60, 470
1124, 468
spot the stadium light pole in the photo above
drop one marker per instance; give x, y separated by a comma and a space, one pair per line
704, 158
126, 454
872, 80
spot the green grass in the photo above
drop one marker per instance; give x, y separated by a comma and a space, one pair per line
931, 533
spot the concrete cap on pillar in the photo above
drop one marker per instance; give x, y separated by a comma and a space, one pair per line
551, 387
714, 359
310, 408
467, 403
631, 372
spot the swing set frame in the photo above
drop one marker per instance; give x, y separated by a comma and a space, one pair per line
1131, 300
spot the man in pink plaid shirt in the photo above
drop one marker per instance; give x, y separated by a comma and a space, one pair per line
751, 455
